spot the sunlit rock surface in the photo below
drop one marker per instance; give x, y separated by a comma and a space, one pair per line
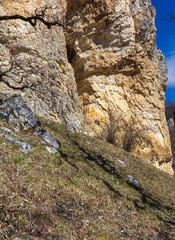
48, 84
118, 68
105, 62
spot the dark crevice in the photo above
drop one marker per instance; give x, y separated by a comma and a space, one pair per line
70, 53
174, 116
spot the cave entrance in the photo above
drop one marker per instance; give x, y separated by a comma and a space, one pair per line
70, 53
78, 67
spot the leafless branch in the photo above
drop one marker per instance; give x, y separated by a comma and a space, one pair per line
133, 136
16, 74
40, 15
170, 17
130, 134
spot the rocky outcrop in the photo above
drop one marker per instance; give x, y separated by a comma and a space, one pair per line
118, 68
170, 117
34, 62
103, 63
15, 113
25, 147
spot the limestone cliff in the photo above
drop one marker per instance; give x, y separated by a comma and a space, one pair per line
38, 54
105, 60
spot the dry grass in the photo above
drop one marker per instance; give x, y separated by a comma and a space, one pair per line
81, 193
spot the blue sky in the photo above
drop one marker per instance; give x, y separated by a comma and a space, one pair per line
166, 40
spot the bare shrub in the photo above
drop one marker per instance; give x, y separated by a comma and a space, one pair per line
133, 135
125, 133
113, 127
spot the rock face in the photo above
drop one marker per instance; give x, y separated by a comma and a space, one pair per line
39, 55
170, 117
118, 68
107, 52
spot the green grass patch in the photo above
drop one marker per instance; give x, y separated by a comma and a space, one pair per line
77, 194
18, 160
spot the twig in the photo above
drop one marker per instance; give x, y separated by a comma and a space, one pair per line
33, 19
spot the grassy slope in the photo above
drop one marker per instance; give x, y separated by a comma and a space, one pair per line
76, 194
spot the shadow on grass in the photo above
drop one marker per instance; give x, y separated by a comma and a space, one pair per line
99, 160
172, 222
65, 157
146, 199
116, 193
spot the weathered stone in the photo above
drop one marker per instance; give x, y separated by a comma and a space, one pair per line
14, 109
121, 162
51, 149
7, 130
108, 52
133, 180
25, 147
118, 68
16, 113
38, 54
47, 138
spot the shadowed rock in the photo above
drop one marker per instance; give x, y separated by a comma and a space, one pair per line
14, 109
15, 112
133, 180
47, 138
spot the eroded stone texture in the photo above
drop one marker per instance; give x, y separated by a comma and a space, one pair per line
37, 60
109, 46
15, 113
118, 68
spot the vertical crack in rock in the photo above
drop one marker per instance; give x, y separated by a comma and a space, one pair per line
70, 53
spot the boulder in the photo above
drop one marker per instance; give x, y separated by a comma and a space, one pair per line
14, 110
16, 113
